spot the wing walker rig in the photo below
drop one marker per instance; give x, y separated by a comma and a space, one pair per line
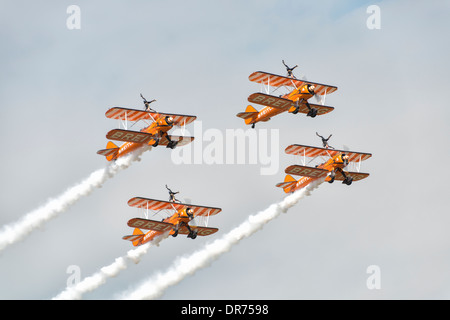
155, 133
178, 221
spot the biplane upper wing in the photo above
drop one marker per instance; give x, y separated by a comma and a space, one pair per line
129, 136
313, 152
282, 103
151, 204
278, 81
135, 115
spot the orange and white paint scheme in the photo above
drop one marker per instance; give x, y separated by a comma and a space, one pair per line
156, 133
332, 169
294, 102
177, 223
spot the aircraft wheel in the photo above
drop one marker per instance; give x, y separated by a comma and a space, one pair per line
192, 235
175, 233
156, 143
348, 181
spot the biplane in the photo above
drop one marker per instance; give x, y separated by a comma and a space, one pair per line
177, 223
331, 169
295, 101
154, 134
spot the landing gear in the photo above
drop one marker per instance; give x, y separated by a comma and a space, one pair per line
253, 125
312, 111
156, 142
172, 144
332, 176
348, 180
192, 234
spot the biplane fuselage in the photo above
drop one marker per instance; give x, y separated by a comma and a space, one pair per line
157, 128
331, 164
178, 218
300, 95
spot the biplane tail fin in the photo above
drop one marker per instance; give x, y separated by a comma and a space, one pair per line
249, 115
110, 152
136, 238
288, 183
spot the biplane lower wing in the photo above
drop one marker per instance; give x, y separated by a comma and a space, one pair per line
126, 114
129, 136
306, 171
313, 152
270, 79
271, 101
151, 204
178, 141
201, 231
282, 103
356, 176
150, 224
164, 227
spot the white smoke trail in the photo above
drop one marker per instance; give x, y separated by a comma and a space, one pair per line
16, 231
155, 286
93, 282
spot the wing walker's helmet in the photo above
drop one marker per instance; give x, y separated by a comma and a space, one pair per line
169, 119
190, 212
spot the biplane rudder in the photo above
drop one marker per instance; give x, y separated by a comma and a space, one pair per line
254, 112
112, 145
249, 115
136, 232
289, 178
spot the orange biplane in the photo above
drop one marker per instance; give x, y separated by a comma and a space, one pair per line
177, 223
332, 169
153, 135
295, 101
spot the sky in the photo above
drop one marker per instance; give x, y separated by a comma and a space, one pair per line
195, 58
